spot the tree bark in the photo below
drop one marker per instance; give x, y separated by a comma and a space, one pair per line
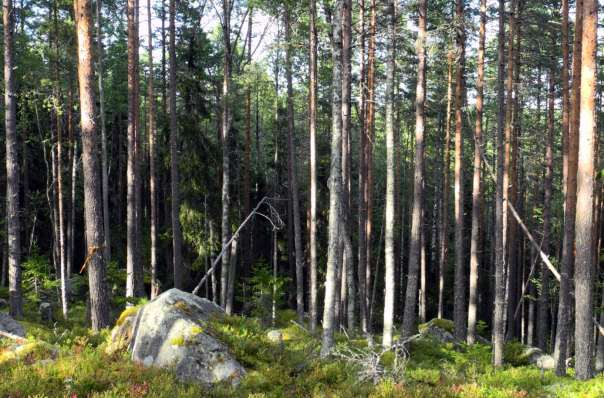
409, 315
500, 203
174, 181
12, 165
584, 270
570, 112
99, 301
152, 137
335, 185
459, 315
476, 183
389, 292
293, 173
134, 281
226, 153
312, 115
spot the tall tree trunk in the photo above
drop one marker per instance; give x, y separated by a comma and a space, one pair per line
152, 136
459, 315
409, 314
99, 300
584, 270
12, 165
389, 292
104, 155
174, 182
312, 115
346, 235
570, 126
134, 281
499, 307
335, 185
476, 183
226, 153
293, 173
443, 233
543, 307
246, 236
362, 203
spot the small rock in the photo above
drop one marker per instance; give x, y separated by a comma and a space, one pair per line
275, 336
440, 335
537, 357
9, 325
46, 312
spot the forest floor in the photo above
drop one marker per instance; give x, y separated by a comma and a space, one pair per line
80, 368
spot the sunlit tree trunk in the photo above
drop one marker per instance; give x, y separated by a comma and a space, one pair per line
12, 165
476, 183
584, 270
570, 126
389, 292
459, 314
409, 314
134, 281
99, 302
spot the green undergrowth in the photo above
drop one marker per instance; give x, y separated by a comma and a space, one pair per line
72, 362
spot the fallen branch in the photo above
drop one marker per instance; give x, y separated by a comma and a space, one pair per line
600, 327
528, 234
228, 244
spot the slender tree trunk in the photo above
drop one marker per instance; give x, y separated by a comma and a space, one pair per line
104, 155
362, 203
543, 307
226, 153
584, 270
476, 184
335, 185
312, 115
409, 314
134, 280
499, 307
174, 182
459, 315
152, 136
99, 301
570, 126
246, 236
443, 233
293, 174
12, 165
347, 260
389, 292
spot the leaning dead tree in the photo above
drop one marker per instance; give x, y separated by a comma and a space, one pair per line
273, 218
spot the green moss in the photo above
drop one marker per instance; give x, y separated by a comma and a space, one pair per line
128, 312
178, 341
182, 307
445, 324
195, 330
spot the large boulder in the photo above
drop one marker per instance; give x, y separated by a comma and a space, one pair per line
537, 357
9, 325
440, 330
171, 332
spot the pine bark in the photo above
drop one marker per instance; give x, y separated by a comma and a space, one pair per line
460, 316
409, 315
476, 182
584, 258
174, 175
499, 307
389, 288
570, 126
93, 206
12, 165
312, 127
335, 184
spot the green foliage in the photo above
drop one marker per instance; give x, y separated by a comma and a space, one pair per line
266, 288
